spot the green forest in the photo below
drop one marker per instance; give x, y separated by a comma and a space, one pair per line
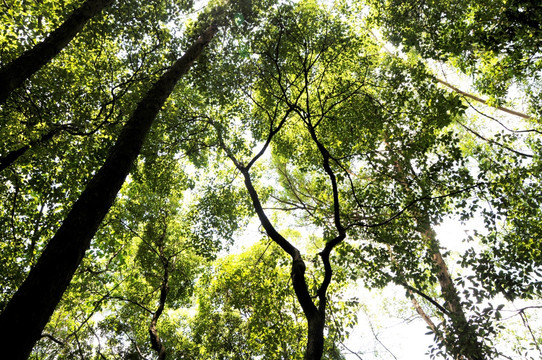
263, 179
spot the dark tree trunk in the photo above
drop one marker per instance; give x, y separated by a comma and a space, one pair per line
315, 315
315, 337
17, 71
27, 313
156, 342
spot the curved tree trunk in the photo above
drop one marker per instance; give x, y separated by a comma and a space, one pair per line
315, 315
17, 71
29, 310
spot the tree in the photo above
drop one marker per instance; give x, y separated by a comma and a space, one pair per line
306, 88
65, 250
497, 44
343, 138
12, 75
275, 118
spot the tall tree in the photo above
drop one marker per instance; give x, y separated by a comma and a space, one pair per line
460, 338
30, 308
335, 131
13, 74
498, 44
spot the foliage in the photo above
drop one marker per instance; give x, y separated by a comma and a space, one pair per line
247, 309
335, 135
497, 42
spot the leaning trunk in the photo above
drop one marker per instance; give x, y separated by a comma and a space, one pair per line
29, 310
467, 344
16, 72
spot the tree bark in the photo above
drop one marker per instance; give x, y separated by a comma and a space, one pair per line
315, 337
467, 345
17, 71
29, 310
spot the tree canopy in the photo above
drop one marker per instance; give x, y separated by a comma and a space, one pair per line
142, 141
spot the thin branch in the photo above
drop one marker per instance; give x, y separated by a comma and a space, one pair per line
492, 141
500, 122
526, 323
377, 339
350, 351
140, 237
263, 253
426, 297
410, 204
480, 100
136, 346
52, 338
131, 302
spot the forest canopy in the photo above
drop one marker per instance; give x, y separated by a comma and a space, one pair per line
241, 179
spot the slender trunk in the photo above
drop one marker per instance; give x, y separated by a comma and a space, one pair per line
156, 342
28, 311
467, 340
17, 71
315, 315
467, 345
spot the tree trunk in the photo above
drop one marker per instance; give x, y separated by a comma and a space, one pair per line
17, 71
315, 315
468, 344
156, 342
29, 310
315, 337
